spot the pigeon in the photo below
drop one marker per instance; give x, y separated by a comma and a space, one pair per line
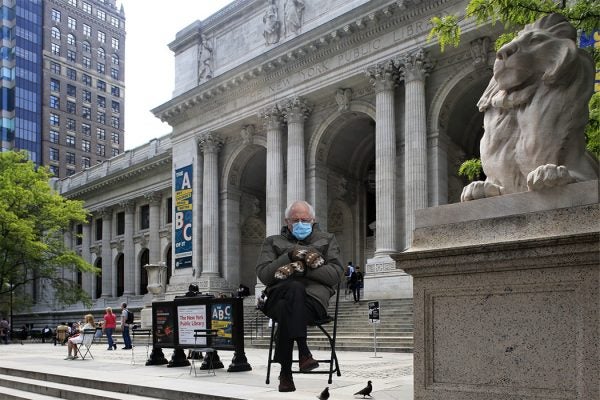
324, 394
366, 391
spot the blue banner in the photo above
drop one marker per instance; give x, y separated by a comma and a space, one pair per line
183, 216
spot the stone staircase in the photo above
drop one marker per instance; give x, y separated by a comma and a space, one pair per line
355, 333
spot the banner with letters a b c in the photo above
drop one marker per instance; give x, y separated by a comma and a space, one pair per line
183, 216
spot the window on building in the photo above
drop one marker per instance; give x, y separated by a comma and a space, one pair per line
101, 117
71, 107
87, 7
55, 15
86, 112
101, 101
115, 59
86, 162
114, 22
54, 85
70, 141
55, 67
115, 106
55, 49
115, 91
86, 146
54, 102
100, 150
72, 74
72, 3
100, 134
54, 137
71, 124
101, 37
87, 62
86, 96
70, 158
53, 154
70, 171
78, 234
115, 137
86, 79
101, 15
115, 43
101, 53
55, 33
145, 216
71, 39
54, 170
72, 23
120, 223
101, 85
115, 122
169, 210
85, 46
98, 228
71, 90
114, 73
100, 68
86, 129
87, 30
71, 55
115, 152
54, 119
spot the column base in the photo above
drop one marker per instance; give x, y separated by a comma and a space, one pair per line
215, 285
383, 280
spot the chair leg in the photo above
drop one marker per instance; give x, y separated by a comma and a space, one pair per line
270, 352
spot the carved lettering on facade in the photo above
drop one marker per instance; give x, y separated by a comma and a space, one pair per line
315, 70
360, 51
410, 30
282, 84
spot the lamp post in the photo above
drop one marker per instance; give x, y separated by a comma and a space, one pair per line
10, 285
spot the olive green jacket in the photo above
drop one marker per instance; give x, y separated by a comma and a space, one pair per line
321, 282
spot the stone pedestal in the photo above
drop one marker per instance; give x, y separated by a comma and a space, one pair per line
383, 280
506, 295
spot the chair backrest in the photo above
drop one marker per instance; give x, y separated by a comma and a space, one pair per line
88, 336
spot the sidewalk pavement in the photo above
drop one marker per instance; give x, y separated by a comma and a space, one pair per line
391, 373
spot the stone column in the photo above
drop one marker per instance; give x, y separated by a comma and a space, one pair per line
383, 77
414, 68
274, 198
108, 269
154, 238
295, 112
87, 256
210, 143
129, 268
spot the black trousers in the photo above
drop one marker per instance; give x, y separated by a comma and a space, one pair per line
288, 305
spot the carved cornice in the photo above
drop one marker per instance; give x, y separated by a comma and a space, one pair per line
242, 79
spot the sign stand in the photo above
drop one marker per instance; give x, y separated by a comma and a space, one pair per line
374, 320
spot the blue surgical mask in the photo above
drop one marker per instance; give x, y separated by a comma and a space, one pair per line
302, 230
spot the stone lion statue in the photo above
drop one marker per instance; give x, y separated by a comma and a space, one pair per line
536, 109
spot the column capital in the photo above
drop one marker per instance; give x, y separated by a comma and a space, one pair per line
413, 66
105, 212
128, 205
271, 116
210, 142
383, 76
296, 110
153, 197
247, 133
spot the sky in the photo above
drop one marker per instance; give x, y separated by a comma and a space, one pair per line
149, 64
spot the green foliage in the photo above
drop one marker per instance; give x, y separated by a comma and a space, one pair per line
471, 169
33, 218
446, 30
592, 131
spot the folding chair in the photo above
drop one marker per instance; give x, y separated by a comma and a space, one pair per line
87, 339
140, 335
206, 334
332, 361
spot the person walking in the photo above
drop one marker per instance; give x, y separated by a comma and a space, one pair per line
356, 281
125, 326
300, 268
110, 324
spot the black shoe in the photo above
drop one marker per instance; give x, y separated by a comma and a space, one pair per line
126, 348
115, 346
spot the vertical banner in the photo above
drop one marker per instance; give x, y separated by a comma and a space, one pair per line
183, 217
188, 319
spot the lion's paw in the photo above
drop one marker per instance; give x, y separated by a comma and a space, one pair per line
479, 190
548, 175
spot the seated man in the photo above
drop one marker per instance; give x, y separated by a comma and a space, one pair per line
300, 268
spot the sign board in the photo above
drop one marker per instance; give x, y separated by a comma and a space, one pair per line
163, 324
374, 312
221, 319
189, 318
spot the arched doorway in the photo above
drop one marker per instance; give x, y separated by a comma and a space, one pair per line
144, 260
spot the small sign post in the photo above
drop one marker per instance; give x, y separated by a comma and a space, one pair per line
374, 320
